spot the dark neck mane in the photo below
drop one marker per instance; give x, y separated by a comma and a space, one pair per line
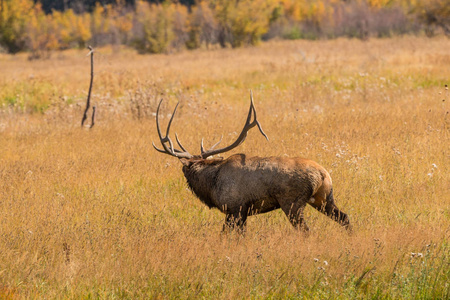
201, 177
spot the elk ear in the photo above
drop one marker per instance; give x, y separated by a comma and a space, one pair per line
185, 162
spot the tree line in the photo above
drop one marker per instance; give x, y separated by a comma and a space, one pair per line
88, 5
43, 26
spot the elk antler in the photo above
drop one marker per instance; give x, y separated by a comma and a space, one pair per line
170, 150
248, 125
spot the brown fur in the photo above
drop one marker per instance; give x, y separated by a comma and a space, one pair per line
240, 186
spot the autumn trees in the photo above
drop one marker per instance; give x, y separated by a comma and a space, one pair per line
168, 26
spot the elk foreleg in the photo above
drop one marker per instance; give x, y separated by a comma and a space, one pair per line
236, 220
294, 212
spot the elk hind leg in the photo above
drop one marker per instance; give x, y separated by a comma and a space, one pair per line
329, 208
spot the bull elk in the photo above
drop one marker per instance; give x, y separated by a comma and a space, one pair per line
241, 186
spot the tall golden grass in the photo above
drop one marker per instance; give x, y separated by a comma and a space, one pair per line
99, 214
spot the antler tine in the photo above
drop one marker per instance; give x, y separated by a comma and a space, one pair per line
248, 125
166, 138
157, 149
179, 143
202, 150
157, 120
255, 120
214, 146
164, 151
171, 151
171, 118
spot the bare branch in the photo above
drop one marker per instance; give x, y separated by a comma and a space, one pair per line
88, 101
93, 117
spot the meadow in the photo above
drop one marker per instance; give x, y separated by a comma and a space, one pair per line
98, 213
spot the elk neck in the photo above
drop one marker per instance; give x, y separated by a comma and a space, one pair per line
201, 176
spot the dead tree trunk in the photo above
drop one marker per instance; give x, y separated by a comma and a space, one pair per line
88, 101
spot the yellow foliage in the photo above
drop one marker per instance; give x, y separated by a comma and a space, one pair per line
180, 18
41, 34
73, 29
378, 3
157, 22
440, 8
315, 10
124, 22
202, 25
117, 17
97, 19
295, 9
168, 25
14, 17
435, 14
246, 20
83, 32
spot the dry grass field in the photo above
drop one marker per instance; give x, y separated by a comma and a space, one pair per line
100, 214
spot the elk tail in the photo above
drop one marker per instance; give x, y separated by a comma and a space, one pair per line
330, 198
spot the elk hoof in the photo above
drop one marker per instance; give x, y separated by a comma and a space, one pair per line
349, 229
